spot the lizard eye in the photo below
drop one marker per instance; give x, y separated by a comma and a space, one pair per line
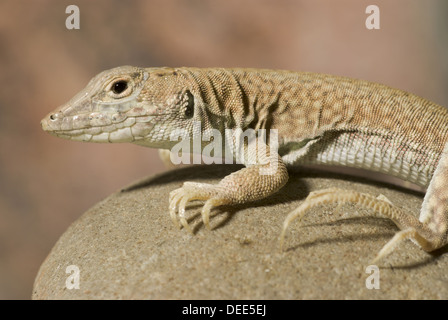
119, 86
189, 110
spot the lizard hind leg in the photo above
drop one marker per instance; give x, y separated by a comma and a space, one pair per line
411, 227
409, 233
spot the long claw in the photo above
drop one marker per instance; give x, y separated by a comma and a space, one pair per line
391, 245
206, 214
182, 217
185, 224
175, 197
173, 218
281, 239
190, 191
208, 206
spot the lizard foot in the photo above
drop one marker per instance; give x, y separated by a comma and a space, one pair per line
190, 191
411, 227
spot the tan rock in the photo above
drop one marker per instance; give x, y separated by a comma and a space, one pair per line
126, 247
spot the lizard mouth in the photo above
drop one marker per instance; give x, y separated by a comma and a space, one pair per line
99, 127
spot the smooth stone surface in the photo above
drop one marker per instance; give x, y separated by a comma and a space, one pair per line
126, 247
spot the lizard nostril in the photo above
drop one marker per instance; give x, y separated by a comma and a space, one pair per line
52, 117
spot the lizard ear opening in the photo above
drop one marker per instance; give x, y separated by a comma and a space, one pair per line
189, 109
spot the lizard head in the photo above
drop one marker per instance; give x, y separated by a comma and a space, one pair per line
127, 104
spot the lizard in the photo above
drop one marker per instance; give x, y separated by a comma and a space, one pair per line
317, 118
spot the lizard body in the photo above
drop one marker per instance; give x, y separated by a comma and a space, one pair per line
320, 119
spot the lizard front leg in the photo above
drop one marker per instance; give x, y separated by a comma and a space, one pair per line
256, 181
429, 232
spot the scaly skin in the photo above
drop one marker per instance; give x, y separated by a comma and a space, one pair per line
320, 119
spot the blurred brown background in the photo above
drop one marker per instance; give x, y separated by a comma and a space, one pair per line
46, 183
